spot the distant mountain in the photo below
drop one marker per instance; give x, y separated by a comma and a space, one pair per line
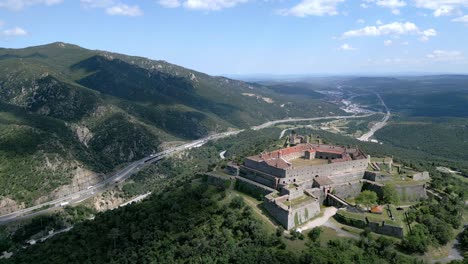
69, 114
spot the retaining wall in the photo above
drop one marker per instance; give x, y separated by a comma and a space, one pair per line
376, 227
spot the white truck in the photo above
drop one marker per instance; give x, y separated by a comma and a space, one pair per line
64, 204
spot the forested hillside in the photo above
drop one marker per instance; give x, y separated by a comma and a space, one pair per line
195, 224
68, 114
429, 113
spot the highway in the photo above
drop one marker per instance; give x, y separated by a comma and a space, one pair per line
378, 125
110, 182
135, 166
317, 119
272, 123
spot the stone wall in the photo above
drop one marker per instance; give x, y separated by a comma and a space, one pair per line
328, 156
375, 187
263, 167
294, 155
290, 218
376, 176
407, 193
348, 190
232, 169
421, 176
317, 193
255, 190
332, 201
293, 192
384, 229
412, 193
338, 172
347, 177
376, 227
302, 213
277, 212
219, 181
258, 176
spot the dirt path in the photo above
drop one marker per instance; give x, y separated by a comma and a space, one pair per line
331, 223
254, 206
454, 254
328, 212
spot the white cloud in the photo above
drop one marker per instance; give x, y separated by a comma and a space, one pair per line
211, 5
170, 3
124, 10
445, 11
313, 8
13, 32
463, 19
20, 4
346, 47
405, 43
360, 21
378, 22
2, 23
113, 7
392, 4
426, 34
395, 28
392, 29
442, 7
96, 3
208, 5
388, 42
446, 55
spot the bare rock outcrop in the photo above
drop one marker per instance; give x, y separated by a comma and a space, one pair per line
107, 201
8, 205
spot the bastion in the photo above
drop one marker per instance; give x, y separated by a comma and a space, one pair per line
302, 176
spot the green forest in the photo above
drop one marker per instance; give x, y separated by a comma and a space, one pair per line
185, 221
196, 223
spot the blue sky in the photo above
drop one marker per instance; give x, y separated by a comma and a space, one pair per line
255, 36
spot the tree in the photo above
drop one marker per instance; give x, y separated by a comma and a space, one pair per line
390, 194
367, 198
437, 228
279, 231
418, 240
296, 235
314, 234
237, 202
114, 234
463, 239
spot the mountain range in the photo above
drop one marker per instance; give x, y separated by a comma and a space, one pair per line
70, 115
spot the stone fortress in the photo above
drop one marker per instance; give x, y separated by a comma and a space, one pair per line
297, 180
302, 176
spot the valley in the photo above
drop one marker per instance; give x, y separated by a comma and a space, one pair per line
233, 132
55, 111
124, 174
162, 127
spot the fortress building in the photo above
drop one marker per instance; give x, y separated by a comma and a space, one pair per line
302, 176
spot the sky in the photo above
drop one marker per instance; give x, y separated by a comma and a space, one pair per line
248, 37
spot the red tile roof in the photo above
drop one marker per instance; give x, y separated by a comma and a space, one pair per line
274, 158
